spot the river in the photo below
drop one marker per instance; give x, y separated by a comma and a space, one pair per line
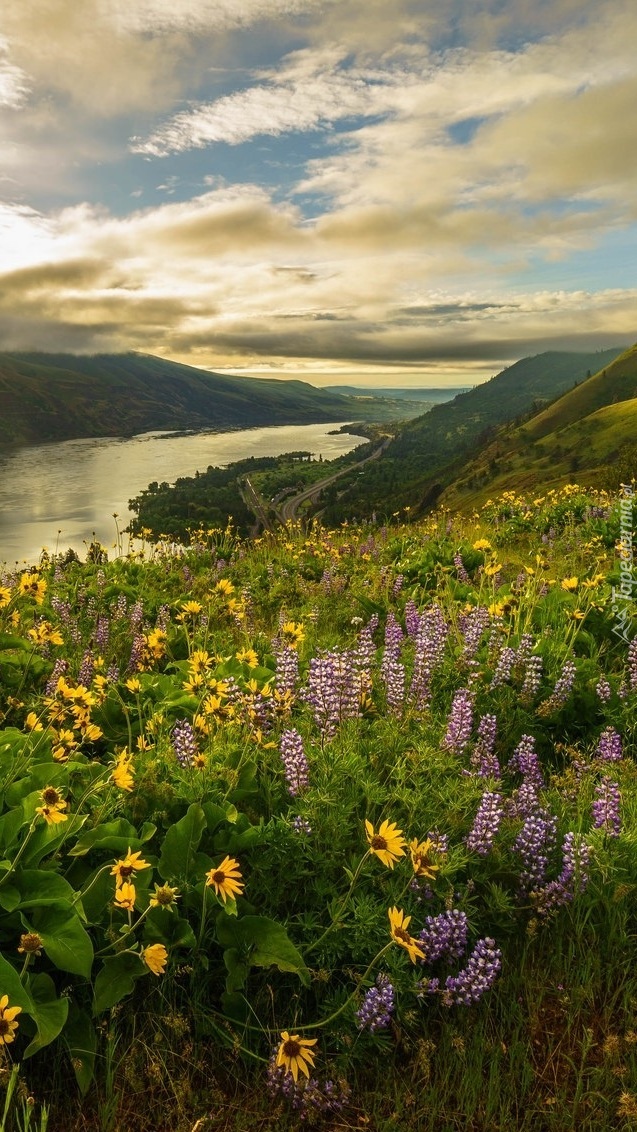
65, 494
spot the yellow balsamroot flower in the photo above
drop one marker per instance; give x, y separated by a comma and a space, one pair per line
32, 722
482, 544
156, 643
398, 924
223, 586
8, 1025
388, 844
247, 656
44, 634
164, 897
51, 814
189, 609
225, 879
133, 685
569, 584
122, 774
493, 569
5, 596
155, 957
125, 896
131, 863
51, 797
421, 854
32, 585
295, 1053
292, 633
199, 661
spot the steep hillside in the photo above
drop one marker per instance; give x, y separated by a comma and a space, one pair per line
589, 434
430, 450
58, 396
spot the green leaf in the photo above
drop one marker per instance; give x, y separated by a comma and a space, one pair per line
117, 835
49, 1014
164, 926
116, 980
48, 838
237, 969
10, 825
9, 898
81, 1043
67, 944
7, 641
10, 984
178, 857
266, 943
40, 888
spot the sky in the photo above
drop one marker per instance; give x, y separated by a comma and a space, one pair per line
367, 192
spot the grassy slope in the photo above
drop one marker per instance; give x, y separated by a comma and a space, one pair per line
417, 460
580, 436
57, 396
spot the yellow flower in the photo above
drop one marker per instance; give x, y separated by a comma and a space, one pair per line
51, 814
223, 586
30, 944
32, 722
421, 858
32, 585
482, 544
294, 1053
225, 879
51, 797
122, 774
164, 896
398, 924
388, 844
247, 656
5, 596
125, 896
493, 569
7, 1024
155, 956
292, 633
199, 661
156, 643
131, 863
570, 584
189, 609
133, 685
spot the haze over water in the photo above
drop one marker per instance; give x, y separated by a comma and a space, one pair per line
63, 495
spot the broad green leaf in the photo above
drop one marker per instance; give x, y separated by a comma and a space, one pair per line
237, 969
10, 984
9, 898
66, 943
118, 835
10, 825
41, 887
8, 641
49, 1014
40, 774
181, 842
81, 1042
265, 942
164, 926
48, 838
116, 980
216, 814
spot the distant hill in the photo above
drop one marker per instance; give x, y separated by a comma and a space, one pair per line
430, 451
408, 394
58, 396
588, 435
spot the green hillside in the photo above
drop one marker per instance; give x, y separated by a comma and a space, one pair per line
430, 450
59, 396
588, 435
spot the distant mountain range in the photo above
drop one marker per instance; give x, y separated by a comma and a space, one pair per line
431, 451
422, 393
59, 396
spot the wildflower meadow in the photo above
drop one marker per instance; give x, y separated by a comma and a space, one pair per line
329, 828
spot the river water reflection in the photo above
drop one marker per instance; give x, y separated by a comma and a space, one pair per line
61, 495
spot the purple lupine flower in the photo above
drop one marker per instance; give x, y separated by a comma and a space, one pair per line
460, 568
391, 669
603, 689
87, 667
460, 722
412, 618
287, 669
484, 761
163, 618
429, 650
504, 666
307, 1097
572, 880
631, 661
184, 742
561, 691
609, 746
136, 615
524, 802
102, 633
398, 585
120, 607
332, 691
472, 626
294, 761
445, 934
112, 673
377, 1007
301, 825
606, 807
532, 679
534, 842
475, 979
525, 760
486, 823
523, 651
60, 668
